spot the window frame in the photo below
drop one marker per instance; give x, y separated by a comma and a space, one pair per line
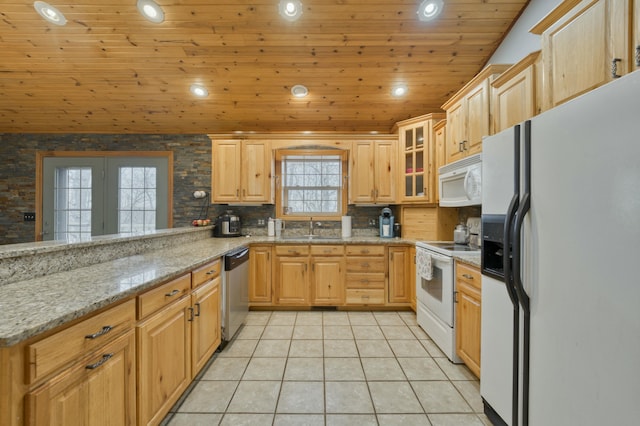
342, 203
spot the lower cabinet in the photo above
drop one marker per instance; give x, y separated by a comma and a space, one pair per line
327, 275
399, 275
468, 315
164, 360
260, 293
366, 275
97, 390
292, 275
206, 325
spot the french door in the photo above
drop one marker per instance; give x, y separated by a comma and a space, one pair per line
88, 196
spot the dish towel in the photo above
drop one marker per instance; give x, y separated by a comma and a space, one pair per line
424, 264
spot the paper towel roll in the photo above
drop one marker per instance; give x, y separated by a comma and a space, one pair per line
346, 226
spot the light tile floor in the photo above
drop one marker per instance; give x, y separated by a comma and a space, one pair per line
332, 368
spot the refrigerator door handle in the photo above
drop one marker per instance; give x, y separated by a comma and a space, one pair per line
525, 205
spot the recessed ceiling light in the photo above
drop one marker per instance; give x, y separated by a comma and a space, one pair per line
199, 90
429, 9
299, 91
49, 13
151, 11
290, 10
399, 90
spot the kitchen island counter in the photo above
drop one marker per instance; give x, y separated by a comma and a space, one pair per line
40, 303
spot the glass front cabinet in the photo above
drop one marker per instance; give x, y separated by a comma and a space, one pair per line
418, 160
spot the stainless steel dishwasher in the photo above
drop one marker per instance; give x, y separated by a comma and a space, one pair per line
235, 292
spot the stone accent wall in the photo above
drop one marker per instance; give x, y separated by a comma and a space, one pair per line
191, 171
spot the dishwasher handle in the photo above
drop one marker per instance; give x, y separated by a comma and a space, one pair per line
234, 259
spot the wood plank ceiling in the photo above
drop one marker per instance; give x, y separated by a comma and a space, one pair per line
111, 71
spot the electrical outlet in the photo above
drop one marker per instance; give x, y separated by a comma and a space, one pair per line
261, 222
372, 222
29, 217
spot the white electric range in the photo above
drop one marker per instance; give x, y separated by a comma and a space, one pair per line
435, 294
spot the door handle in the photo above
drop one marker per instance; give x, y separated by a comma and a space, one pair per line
614, 68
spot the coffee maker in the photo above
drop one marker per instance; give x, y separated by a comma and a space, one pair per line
227, 225
386, 221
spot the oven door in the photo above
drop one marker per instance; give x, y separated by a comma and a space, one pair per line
437, 294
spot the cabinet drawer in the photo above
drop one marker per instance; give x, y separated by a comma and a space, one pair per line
359, 280
292, 250
205, 273
53, 352
327, 250
365, 250
468, 274
365, 264
159, 297
365, 297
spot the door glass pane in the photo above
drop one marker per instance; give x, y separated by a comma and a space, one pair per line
419, 137
136, 200
408, 186
72, 203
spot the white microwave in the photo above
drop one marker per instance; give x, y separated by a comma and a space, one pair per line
460, 182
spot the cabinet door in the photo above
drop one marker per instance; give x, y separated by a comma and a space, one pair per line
440, 153
514, 101
468, 318
256, 171
384, 167
399, 280
477, 118
580, 51
412, 277
327, 280
99, 390
226, 171
362, 187
205, 331
292, 286
260, 276
164, 360
456, 131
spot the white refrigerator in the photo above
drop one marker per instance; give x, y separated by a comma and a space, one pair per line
568, 254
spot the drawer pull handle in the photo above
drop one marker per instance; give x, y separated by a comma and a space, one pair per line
173, 293
105, 330
105, 358
191, 312
364, 251
365, 265
614, 68
467, 276
211, 272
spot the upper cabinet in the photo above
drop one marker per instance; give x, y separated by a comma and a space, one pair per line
242, 171
418, 174
515, 94
372, 173
468, 115
440, 144
586, 44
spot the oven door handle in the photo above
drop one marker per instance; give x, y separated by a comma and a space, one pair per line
438, 257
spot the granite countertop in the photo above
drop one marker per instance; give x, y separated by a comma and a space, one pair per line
470, 259
32, 306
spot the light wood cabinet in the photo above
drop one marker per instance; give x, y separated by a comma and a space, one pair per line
260, 290
418, 176
586, 44
373, 166
164, 360
468, 115
468, 315
399, 276
515, 93
440, 153
241, 171
327, 275
292, 275
206, 331
412, 277
97, 390
366, 271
